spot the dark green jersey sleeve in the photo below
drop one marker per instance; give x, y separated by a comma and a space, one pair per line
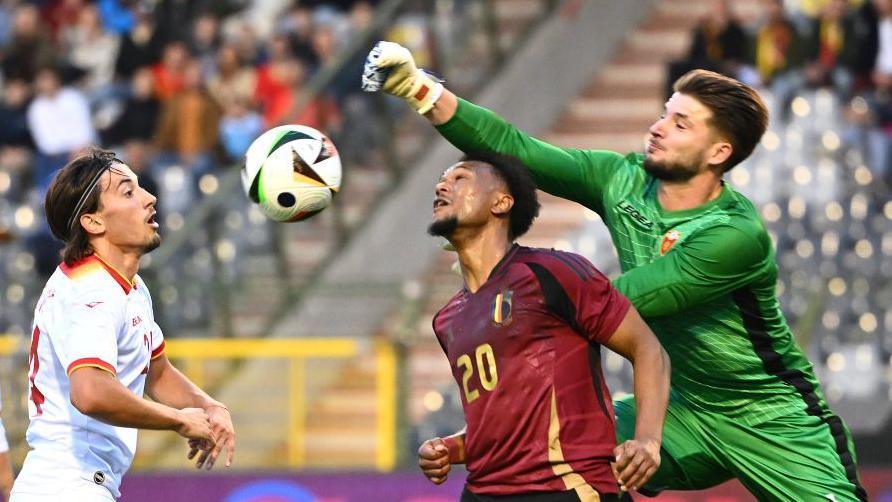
577, 175
710, 264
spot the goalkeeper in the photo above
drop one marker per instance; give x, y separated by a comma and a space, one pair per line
699, 266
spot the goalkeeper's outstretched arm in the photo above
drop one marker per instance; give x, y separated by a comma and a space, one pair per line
578, 175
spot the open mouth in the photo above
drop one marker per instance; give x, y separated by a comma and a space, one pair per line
151, 221
440, 202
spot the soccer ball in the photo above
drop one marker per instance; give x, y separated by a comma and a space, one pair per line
291, 172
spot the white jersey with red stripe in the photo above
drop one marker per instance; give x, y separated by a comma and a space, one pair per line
88, 315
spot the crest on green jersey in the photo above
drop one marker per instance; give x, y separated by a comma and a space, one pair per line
669, 240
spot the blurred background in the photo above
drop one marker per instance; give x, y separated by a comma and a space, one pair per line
317, 334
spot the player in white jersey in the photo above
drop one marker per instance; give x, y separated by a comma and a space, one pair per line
95, 346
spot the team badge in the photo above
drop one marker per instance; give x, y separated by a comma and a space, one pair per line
669, 240
501, 308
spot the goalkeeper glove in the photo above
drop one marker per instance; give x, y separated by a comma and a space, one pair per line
391, 68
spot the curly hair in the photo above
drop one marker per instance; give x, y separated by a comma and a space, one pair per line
520, 185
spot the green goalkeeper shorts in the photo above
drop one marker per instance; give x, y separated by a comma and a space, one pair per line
799, 457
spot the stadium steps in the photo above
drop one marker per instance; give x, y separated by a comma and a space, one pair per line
513, 16
259, 296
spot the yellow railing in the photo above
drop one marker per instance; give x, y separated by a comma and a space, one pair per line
191, 355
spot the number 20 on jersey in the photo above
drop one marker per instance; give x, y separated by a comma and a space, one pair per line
485, 368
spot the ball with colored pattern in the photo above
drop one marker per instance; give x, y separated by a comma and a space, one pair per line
291, 172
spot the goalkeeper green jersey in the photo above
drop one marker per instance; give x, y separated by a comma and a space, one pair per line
703, 278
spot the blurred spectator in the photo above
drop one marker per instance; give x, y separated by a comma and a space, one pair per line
831, 47
298, 24
189, 125
30, 46
719, 40
61, 16
778, 57
719, 44
778, 47
14, 130
240, 126
882, 73
140, 47
59, 119
871, 113
119, 16
137, 154
232, 80
170, 71
275, 90
205, 41
139, 118
247, 44
280, 91
16, 143
177, 17
92, 49
7, 9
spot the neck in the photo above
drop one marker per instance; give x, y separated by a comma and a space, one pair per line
479, 254
688, 194
124, 261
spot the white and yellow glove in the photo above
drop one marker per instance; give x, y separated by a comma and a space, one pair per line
391, 68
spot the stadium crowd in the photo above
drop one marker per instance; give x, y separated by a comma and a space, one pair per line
163, 83
843, 45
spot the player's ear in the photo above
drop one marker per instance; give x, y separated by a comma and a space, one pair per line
92, 223
719, 153
503, 203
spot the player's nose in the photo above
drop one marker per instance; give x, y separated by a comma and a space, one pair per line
440, 187
151, 200
656, 129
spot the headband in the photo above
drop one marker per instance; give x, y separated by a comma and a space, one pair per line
85, 196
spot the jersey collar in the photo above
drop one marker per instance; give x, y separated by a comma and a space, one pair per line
497, 269
93, 260
725, 196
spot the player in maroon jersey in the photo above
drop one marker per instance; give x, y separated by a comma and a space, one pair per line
523, 337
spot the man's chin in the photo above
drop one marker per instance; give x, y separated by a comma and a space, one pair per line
665, 172
443, 227
153, 244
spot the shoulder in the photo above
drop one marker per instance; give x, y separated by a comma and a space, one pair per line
141, 288
89, 284
562, 265
739, 233
744, 224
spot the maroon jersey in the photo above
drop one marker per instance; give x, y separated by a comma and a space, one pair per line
525, 352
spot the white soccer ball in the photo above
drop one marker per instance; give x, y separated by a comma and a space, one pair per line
292, 172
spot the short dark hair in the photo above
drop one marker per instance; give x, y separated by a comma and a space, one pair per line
520, 185
738, 112
69, 185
